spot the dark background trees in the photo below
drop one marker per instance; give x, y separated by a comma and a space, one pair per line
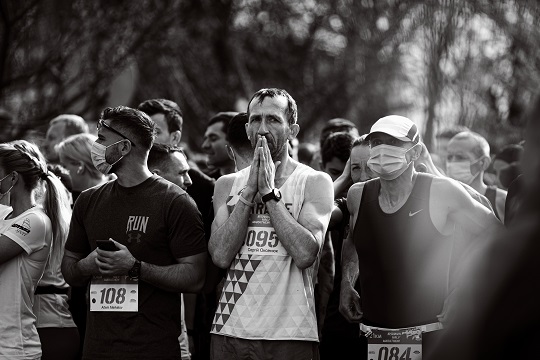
439, 62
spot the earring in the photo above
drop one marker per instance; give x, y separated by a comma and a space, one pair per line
80, 170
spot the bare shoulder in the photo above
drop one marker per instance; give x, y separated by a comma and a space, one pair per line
223, 186
319, 189
446, 184
356, 189
449, 192
354, 195
226, 180
318, 178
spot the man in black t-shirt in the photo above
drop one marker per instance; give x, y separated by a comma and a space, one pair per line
169, 121
134, 303
169, 124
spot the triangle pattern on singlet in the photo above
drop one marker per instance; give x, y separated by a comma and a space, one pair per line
234, 287
295, 322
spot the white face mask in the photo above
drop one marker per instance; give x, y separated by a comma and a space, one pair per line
98, 157
461, 170
2, 194
388, 162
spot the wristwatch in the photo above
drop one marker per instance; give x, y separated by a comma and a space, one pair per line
275, 194
135, 271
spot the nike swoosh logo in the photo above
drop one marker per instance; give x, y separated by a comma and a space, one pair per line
414, 213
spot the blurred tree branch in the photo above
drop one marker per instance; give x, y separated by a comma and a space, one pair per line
474, 62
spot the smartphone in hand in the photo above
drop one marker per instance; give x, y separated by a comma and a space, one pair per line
106, 245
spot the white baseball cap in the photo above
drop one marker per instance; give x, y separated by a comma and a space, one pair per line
400, 127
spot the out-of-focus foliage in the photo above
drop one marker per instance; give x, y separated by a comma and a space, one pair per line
482, 66
61, 56
472, 62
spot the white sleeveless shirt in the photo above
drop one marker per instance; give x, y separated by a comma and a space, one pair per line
265, 295
19, 276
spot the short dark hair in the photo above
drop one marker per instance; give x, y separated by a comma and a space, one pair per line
306, 152
338, 144
224, 117
509, 174
170, 109
160, 154
292, 110
510, 153
337, 125
133, 123
236, 132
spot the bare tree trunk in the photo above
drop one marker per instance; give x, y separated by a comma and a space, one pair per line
439, 39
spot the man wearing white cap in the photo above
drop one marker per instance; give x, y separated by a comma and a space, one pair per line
400, 242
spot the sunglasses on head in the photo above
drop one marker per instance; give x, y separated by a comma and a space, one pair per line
101, 123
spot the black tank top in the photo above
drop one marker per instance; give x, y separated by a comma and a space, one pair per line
491, 195
403, 259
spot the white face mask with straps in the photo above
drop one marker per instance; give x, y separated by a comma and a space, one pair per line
461, 170
98, 152
388, 162
2, 194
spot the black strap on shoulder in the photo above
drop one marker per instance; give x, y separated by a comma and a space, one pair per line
371, 190
50, 289
491, 195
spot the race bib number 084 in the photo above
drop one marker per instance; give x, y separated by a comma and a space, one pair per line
398, 344
114, 293
261, 238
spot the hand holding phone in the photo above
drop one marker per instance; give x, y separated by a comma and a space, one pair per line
107, 245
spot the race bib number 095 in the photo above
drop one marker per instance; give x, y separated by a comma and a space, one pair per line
261, 238
399, 344
114, 293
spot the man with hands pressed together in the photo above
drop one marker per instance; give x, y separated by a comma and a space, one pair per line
133, 292
270, 221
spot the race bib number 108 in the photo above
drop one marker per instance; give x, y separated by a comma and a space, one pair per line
114, 293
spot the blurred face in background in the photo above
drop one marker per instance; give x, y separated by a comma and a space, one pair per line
176, 170
162, 129
55, 134
359, 170
334, 167
214, 145
462, 163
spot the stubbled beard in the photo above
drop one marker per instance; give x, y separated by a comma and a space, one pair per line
278, 153
116, 155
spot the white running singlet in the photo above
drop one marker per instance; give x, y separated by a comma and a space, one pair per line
265, 295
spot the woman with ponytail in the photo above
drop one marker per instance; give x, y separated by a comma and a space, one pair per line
33, 230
